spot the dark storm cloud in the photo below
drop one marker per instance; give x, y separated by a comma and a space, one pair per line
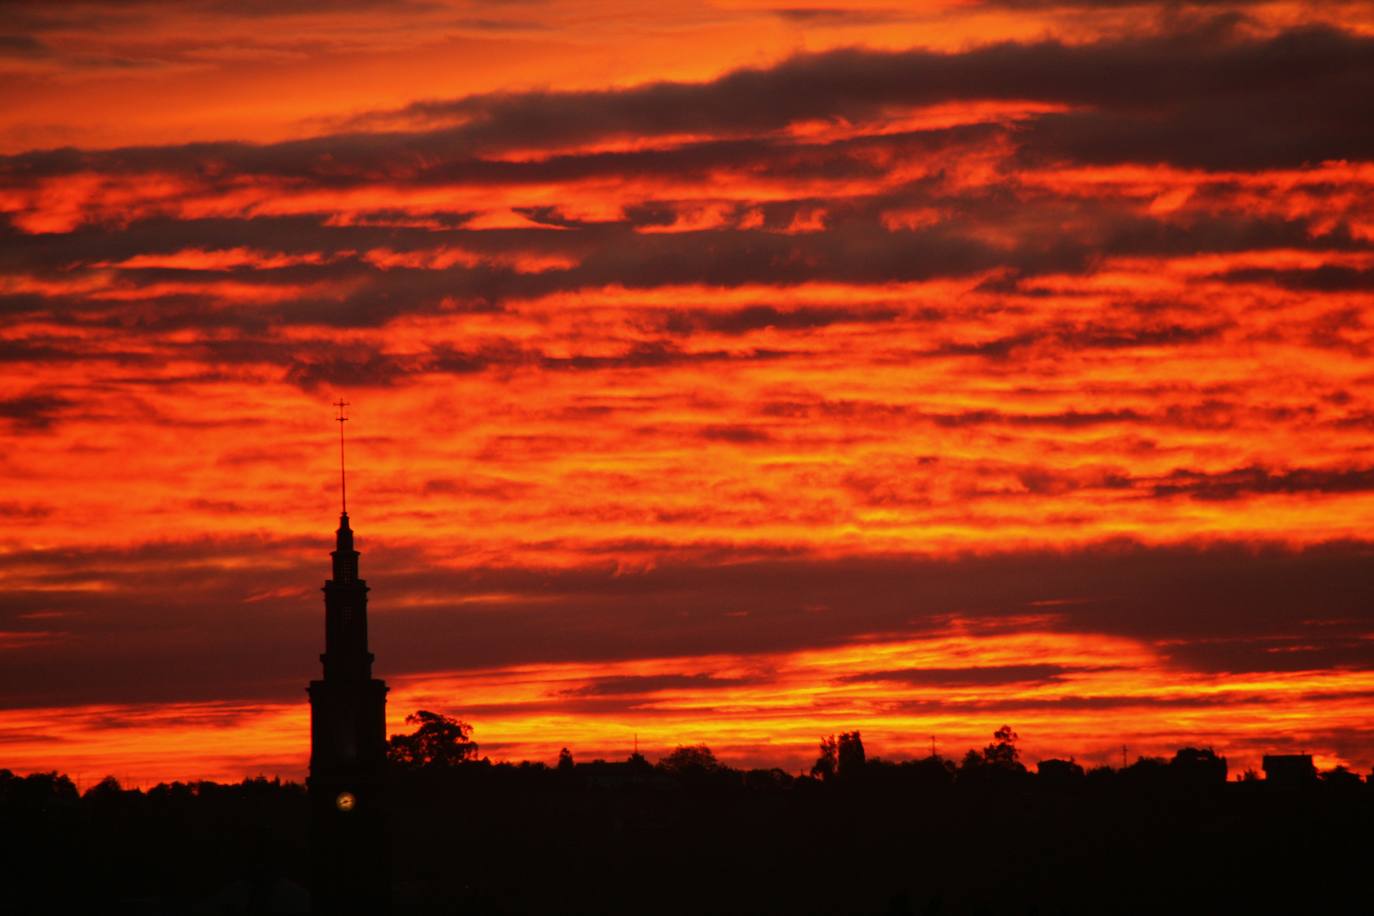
757, 317
1329, 278
763, 158
855, 253
343, 289
1198, 97
183, 624
311, 365
1102, 702
358, 370
882, 489
16, 511
191, 625
34, 411
850, 83
1066, 419
493, 488
1087, 337
362, 366
1249, 481
737, 434
638, 685
22, 46
1207, 413
273, 8
342, 161
834, 16
39, 350
1096, 702
1202, 96
370, 297
86, 19
1172, 7
981, 676
653, 355
1313, 651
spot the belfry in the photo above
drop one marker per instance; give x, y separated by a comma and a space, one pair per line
347, 742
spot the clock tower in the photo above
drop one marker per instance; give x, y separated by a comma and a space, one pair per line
347, 744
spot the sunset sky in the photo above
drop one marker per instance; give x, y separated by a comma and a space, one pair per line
721, 372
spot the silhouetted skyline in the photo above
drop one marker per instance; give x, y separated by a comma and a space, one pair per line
978, 834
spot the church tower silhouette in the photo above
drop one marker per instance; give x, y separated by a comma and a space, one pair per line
350, 872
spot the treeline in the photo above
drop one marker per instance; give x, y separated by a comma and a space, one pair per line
983, 834
439, 742
171, 849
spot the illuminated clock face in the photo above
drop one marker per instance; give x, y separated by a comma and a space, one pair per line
345, 801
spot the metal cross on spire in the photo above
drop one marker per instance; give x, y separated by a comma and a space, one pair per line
343, 487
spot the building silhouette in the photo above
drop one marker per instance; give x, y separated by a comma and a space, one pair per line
1289, 770
350, 871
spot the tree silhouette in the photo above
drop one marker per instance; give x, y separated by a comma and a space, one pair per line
1003, 754
1199, 766
1059, 772
850, 757
565, 761
1342, 777
107, 790
37, 791
997, 760
439, 741
827, 763
689, 760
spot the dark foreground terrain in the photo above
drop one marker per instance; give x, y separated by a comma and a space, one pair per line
693, 837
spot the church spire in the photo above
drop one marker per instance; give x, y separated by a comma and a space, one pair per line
344, 555
343, 480
346, 652
347, 740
